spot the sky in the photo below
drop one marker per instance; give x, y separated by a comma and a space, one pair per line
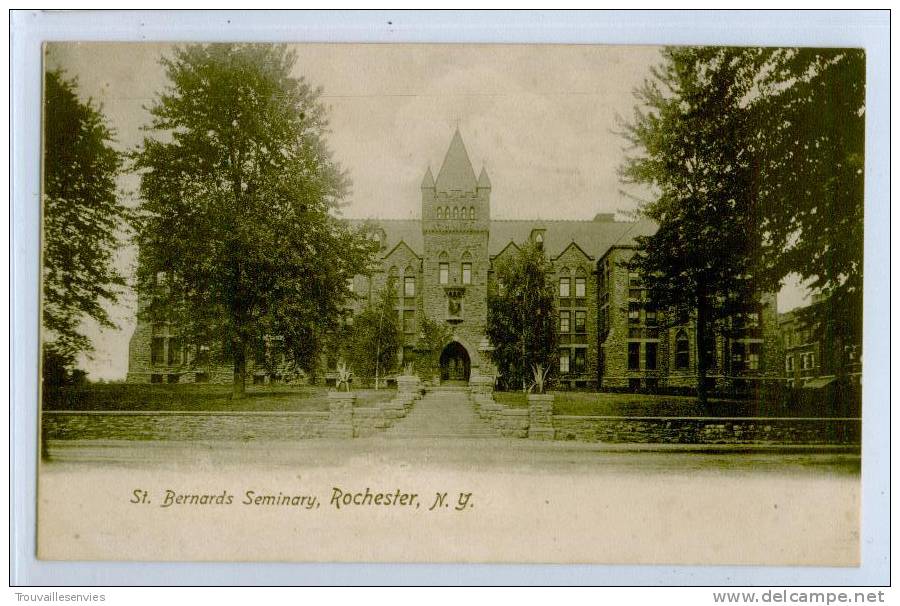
542, 120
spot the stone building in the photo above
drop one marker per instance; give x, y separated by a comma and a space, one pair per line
809, 359
443, 266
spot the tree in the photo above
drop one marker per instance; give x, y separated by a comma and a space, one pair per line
82, 219
239, 194
376, 337
694, 140
811, 147
521, 318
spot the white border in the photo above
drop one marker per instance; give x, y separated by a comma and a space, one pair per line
820, 28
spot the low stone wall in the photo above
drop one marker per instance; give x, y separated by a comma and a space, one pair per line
509, 422
708, 430
183, 426
343, 420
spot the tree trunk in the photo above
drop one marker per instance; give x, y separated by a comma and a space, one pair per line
702, 359
240, 371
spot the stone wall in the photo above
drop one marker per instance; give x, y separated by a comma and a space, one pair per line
708, 430
183, 426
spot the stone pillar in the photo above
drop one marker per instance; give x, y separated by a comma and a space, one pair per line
540, 416
481, 389
340, 414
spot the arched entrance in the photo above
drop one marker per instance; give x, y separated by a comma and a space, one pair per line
455, 362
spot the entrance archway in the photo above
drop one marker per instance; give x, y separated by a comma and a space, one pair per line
455, 362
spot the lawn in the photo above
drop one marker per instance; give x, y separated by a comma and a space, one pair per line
204, 397
640, 405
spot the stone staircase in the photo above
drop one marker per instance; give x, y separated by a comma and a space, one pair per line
445, 412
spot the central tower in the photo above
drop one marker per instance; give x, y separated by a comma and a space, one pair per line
456, 219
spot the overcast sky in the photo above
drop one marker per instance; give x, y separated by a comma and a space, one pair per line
541, 119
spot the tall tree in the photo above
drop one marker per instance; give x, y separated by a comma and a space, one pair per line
82, 218
693, 138
239, 192
376, 337
810, 113
521, 318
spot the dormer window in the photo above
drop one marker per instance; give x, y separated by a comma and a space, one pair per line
537, 236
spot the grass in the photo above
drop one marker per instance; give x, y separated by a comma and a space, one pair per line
202, 397
640, 405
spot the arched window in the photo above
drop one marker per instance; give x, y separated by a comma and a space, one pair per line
409, 282
682, 351
471, 212
466, 268
440, 212
455, 212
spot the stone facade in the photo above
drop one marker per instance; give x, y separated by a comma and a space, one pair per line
639, 351
443, 266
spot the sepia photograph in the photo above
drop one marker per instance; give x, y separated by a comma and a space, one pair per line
451, 303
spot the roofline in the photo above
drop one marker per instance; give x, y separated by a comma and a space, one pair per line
397, 245
575, 244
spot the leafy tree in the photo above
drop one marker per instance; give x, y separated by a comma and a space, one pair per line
521, 318
811, 144
239, 192
375, 339
82, 217
693, 136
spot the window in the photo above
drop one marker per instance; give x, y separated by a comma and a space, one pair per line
634, 279
539, 240
440, 212
445, 273
580, 287
634, 313
789, 364
350, 286
466, 273
650, 315
471, 212
635, 293
501, 288
737, 356
408, 354
563, 361
174, 351
812, 361
650, 355
456, 212
157, 346
634, 355
753, 356
563, 288
160, 277
564, 320
580, 321
409, 321
580, 360
409, 286
682, 352
802, 361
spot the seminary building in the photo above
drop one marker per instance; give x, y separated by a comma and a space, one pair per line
609, 333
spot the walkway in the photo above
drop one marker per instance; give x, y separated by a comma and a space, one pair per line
444, 412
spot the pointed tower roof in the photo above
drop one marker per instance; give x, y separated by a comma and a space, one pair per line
456, 171
483, 181
428, 179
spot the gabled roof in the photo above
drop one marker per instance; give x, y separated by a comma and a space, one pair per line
428, 179
456, 172
592, 237
408, 231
